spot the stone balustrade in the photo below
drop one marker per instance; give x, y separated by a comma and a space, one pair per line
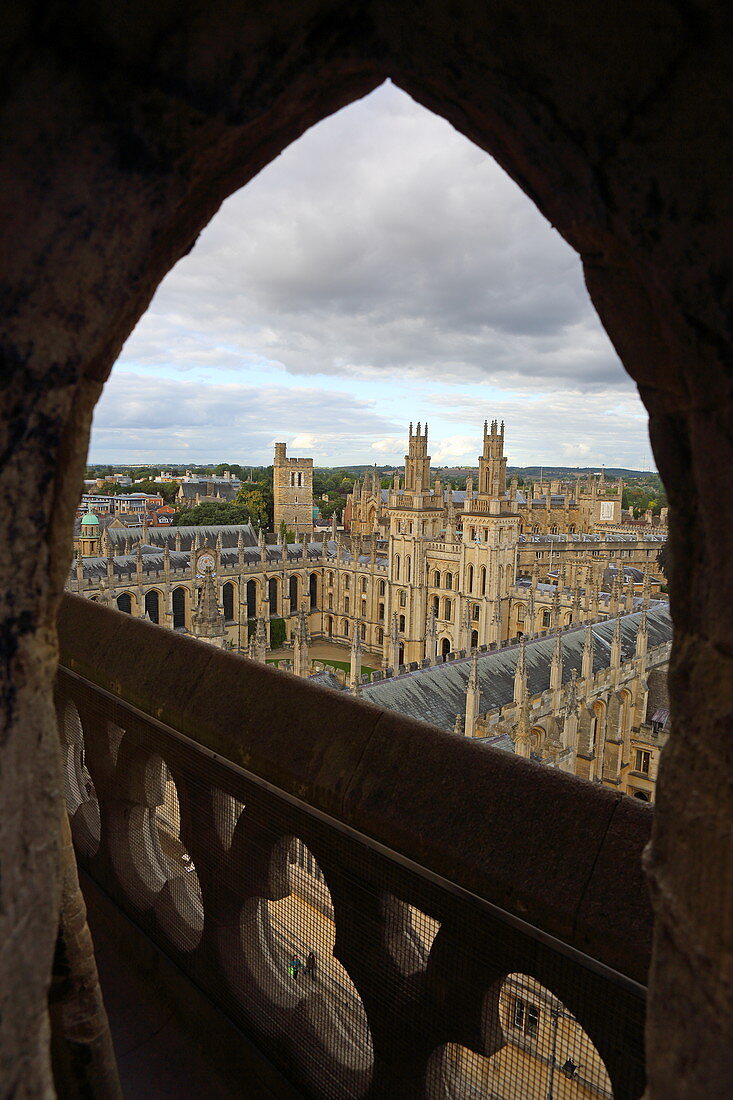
242, 818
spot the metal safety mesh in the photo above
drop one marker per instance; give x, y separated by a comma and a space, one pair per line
356, 973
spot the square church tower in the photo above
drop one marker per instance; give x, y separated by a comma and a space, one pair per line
292, 487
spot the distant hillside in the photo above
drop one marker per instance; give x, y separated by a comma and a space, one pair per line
533, 473
575, 471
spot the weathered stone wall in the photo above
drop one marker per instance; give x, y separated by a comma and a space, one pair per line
122, 132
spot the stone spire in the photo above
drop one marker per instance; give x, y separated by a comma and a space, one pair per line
458, 725
207, 617
473, 698
616, 643
178, 540
642, 637
647, 586
555, 609
301, 638
355, 666
571, 706
466, 626
586, 670
393, 659
520, 672
258, 641
531, 611
430, 636
556, 666
522, 740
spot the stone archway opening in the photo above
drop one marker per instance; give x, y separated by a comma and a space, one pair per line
659, 283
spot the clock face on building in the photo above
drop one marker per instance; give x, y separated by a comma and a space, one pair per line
204, 561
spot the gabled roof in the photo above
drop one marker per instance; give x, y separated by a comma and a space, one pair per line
437, 694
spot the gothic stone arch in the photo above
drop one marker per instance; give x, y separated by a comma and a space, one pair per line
596, 146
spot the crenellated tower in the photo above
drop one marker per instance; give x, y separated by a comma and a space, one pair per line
417, 462
492, 463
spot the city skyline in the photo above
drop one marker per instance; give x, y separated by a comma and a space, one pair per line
382, 269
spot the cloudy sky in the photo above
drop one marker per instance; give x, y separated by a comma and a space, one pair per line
381, 270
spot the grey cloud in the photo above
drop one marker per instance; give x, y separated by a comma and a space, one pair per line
170, 420
383, 241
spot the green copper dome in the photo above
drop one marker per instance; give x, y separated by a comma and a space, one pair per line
89, 520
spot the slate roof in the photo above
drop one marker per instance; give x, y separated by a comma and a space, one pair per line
437, 694
152, 555
222, 490
166, 536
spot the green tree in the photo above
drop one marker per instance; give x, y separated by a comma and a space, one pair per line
211, 515
253, 500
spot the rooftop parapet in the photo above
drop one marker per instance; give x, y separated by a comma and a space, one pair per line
518, 869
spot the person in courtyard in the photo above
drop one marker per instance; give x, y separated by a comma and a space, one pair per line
294, 967
310, 965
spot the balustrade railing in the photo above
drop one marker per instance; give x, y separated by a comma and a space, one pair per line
386, 909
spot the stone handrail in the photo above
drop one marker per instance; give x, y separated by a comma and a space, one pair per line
521, 868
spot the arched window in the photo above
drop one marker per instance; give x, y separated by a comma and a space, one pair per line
476, 612
403, 598
546, 617
380, 636
436, 578
469, 578
293, 593
402, 622
313, 591
363, 631
381, 612
330, 578
251, 599
381, 588
363, 584
346, 604
449, 580
272, 595
483, 580
474, 639
447, 608
445, 647
179, 608
346, 627
152, 606
436, 606
408, 566
397, 567
347, 582
402, 655
227, 599
124, 603
329, 626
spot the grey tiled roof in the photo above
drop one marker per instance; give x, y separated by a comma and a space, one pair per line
437, 694
166, 536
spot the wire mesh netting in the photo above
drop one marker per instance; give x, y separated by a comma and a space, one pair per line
356, 974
